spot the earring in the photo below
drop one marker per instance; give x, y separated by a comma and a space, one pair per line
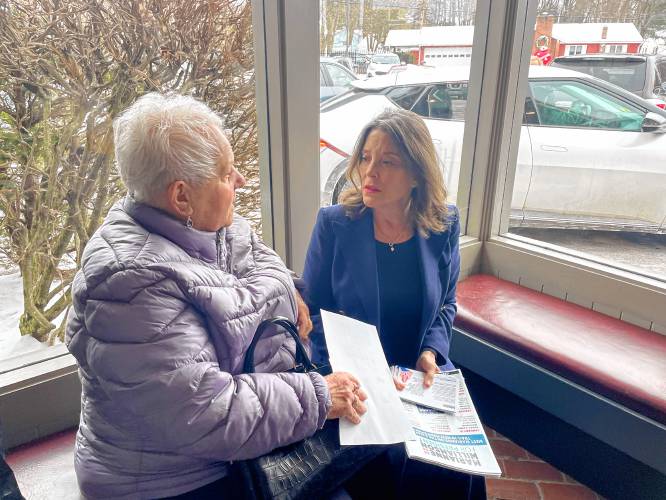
188, 222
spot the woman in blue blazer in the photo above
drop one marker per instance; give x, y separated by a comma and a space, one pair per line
388, 254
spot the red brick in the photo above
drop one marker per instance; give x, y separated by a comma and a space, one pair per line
560, 491
531, 456
511, 490
507, 449
540, 471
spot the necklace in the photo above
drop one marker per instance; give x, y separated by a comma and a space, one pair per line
392, 240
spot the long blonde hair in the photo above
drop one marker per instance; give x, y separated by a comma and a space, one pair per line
427, 209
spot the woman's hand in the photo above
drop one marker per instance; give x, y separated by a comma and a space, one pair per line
303, 322
347, 397
398, 384
427, 363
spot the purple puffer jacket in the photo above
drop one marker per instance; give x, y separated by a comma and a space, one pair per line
162, 316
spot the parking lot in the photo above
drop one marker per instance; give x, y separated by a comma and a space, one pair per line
644, 253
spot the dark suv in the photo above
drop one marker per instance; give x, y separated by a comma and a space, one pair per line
644, 75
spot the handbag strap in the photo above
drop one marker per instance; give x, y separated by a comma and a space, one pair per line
303, 362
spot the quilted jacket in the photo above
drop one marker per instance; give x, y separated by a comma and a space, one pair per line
162, 316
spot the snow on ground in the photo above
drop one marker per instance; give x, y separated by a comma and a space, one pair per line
12, 343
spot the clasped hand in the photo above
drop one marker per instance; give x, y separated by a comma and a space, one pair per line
347, 397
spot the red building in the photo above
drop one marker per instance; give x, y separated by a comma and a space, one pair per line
586, 38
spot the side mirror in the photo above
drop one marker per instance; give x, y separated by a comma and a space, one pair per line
654, 122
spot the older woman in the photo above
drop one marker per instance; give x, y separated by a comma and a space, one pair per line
171, 289
388, 255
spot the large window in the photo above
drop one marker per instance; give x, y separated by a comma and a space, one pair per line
57, 103
415, 57
585, 198
592, 173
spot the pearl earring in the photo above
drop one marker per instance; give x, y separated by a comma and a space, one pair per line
188, 222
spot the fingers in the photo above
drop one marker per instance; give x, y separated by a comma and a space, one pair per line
347, 397
359, 408
352, 379
398, 384
429, 377
303, 322
304, 327
355, 409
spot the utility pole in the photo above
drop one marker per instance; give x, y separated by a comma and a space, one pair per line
323, 26
360, 17
348, 22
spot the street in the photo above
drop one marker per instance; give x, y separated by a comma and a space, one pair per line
644, 253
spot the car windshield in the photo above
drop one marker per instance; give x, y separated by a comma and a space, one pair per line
386, 59
628, 74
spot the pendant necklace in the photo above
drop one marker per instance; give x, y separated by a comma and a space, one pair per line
395, 239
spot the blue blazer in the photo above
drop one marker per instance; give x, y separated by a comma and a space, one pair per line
341, 275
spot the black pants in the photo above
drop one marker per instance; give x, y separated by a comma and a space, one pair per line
393, 475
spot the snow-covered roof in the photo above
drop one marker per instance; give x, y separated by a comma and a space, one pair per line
456, 36
592, 33
447, 36
403, 38
431, 36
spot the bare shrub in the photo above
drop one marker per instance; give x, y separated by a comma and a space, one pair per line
66, 69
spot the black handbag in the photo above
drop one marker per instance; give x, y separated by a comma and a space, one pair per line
310, 469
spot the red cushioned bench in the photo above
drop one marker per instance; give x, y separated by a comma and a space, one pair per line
620, 361
604, 376
45, 468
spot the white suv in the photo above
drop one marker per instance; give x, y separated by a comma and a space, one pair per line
591, 155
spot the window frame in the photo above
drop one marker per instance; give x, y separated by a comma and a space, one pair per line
632, 297
284, 79
572, 50
286, 55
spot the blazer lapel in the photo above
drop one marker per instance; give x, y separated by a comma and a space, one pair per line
357, 242
431, 251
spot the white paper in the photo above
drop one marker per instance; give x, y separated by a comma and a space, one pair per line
354, 347
442, 395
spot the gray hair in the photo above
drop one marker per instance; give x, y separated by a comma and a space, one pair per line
163, 138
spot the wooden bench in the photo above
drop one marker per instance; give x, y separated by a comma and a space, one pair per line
602, 375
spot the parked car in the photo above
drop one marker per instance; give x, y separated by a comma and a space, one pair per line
591, 155
347, 62
381, 64
333, 79
643, 75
